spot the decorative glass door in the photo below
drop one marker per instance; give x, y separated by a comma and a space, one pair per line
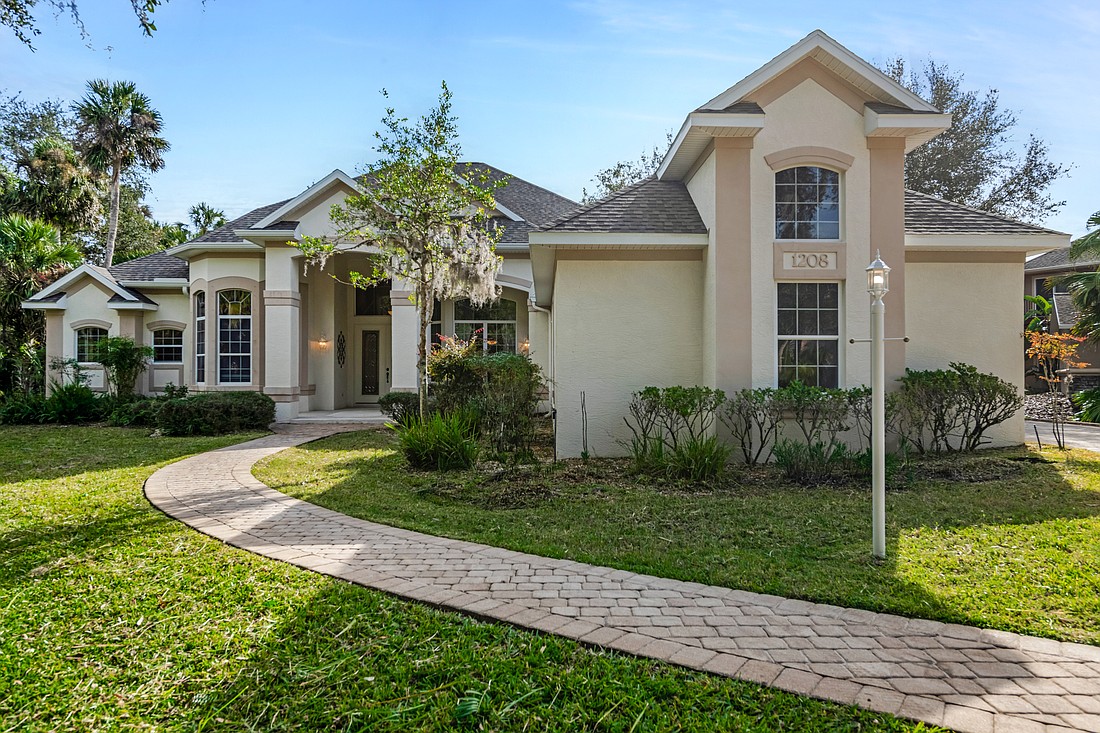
371, 361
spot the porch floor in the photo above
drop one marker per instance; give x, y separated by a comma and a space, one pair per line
367, 414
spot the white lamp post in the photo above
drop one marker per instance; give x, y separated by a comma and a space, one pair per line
878, 284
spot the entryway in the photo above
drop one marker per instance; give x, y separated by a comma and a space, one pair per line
373, 366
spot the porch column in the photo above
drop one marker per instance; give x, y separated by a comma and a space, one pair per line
55, 347
282, 331
404, 342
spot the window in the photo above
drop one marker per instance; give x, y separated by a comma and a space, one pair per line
168, 346
200, 337
235, 336
437, 324
496, 321
807, 203
809, 333
373, 301
86, 340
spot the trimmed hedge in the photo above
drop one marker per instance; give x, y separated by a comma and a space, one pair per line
216, 413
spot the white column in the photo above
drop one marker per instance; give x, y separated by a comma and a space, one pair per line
404, 341
878, 430
282, 336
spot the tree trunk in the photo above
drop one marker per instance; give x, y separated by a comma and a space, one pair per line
112, 225
424, 311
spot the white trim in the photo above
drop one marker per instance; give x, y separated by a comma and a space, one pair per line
695, 126
99, 274
619, 240
135, 306
203, 247
49, 305
250, 234
986, 242
159, 283
308, 194
818, 40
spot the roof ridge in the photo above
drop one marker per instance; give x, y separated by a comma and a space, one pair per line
983, 212
585, 208
513, 176
229, 225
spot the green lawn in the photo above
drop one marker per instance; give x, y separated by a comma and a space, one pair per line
1021, 553
114, 617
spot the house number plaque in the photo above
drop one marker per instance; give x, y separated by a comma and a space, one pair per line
809, 260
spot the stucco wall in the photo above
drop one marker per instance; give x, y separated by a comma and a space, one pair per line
87, 301
621, 326
809, 115
946, 321
174, 310
701, 187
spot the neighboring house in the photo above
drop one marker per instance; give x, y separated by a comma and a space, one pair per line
741, 263
1038, 274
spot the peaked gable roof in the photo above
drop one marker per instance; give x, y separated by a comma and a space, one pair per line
925, 214
1059, 259
226, 232
159, 265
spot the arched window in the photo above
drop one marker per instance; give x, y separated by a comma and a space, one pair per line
496, 321
235, 336
200, 337
807, 203
86, 340
168, 346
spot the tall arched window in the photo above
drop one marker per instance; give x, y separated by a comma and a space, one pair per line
496, 321
86, 340
235, 336
807, 203
200, 337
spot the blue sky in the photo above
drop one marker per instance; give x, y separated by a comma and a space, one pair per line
261, 99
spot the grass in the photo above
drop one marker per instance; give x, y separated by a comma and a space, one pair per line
114, 617
1020, 553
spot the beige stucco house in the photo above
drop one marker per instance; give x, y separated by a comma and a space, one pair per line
740, 263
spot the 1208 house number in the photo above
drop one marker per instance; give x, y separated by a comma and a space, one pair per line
810, 260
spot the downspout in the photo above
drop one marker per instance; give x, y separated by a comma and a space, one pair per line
531, 305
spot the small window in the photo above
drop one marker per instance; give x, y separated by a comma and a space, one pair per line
168, 346
436, 325
807, 203
87, 340
808, 322
494, 324
373, 301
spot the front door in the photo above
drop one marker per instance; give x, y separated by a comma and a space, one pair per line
374, 378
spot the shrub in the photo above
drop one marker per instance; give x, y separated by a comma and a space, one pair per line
401, 407
441, 442
815, 463
123, 361
951, 409
136, 413
671, 432
819, 413
22, 409
455, 383
215, 413
753, 417
69, 404
1088, 402
506, 401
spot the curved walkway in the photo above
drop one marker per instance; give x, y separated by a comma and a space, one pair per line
965, 678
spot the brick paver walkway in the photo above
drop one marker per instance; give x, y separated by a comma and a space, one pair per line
956, 676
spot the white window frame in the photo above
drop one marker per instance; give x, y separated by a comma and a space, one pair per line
839, 337
76, 344
251, 335
200, 337
484, 326
839, 198
180, 345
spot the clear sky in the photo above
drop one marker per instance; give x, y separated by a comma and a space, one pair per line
260, 99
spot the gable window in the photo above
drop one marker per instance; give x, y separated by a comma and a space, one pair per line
168, 346
200, 337
807, 203
496, 321
808, 322
234, 336
86, 340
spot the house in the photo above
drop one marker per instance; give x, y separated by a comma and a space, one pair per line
1039, 274
740, 263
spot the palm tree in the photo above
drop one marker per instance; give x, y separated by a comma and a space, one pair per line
119, 128
31, 256
1084, 287
58, 188
205, 217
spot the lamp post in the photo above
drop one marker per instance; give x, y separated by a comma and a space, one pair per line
878, 284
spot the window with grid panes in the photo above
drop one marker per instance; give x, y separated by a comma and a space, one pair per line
200, 337
808, 325
807, 203
495, 321
168, 346
234, 336
86, 340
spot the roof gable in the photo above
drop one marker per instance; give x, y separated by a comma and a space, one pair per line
650, 206
320, 190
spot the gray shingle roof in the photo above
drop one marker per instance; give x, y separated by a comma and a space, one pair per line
1060, 258
647, 207
926, 214
534, 204
142, 297
225, 233
156, 265
1066, 314
892, 109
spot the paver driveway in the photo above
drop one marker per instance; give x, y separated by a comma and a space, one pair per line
957, 676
